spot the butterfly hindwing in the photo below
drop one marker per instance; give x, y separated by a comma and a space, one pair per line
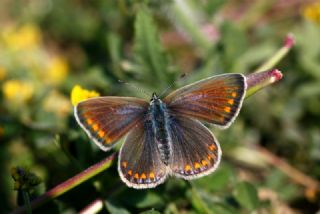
107, 119
139, 159
195, 151
216, 100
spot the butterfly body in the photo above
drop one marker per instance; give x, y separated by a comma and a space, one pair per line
165, 136
159, 117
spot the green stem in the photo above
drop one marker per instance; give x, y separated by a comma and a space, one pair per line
280, 54
70, 183
257, 81
263, 75
94, 207
26, 199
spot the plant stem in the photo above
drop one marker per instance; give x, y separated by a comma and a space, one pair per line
26, 199
69, 184
257, 81
293, 173
93, 207
282, 52
263, 76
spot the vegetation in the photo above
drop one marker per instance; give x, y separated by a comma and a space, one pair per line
55, 53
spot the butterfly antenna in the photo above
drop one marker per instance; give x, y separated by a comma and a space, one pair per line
135, 87
182, 76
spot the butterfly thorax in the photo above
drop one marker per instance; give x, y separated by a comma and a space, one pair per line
159, 118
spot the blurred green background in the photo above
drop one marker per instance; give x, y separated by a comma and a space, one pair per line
49, 46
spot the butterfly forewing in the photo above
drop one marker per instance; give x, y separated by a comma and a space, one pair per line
107, 119
139, 159
195, 151
216, 100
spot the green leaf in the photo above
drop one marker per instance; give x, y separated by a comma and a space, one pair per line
150, 199
213, 6
114, 209
279, 182
114, 50
142, 199
188, 17
152, 211
197, 202
246, 194
148, 51
223, 208
218, 180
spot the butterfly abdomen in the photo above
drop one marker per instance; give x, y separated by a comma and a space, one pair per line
159, 119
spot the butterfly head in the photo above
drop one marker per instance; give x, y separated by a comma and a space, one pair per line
154, 97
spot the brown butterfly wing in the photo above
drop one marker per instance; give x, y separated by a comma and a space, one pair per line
139, 164
195, 151
216, 100
107, 119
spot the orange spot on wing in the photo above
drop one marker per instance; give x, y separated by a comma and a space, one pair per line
212, 147
95, 127
234, 94
101, 133
143, 176
151, 175
125, 164
130, 172
187, 168
204, 162
89, 121
209, 157
136, 176
231, 102
227, 109
108, 140
197, 165
221, 119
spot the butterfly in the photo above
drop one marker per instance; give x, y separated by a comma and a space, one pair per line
165, 136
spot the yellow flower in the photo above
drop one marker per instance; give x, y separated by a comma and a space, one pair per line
17, 91
57, 70
57, 103
79, 94
3, 73
24, 38
312, 12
